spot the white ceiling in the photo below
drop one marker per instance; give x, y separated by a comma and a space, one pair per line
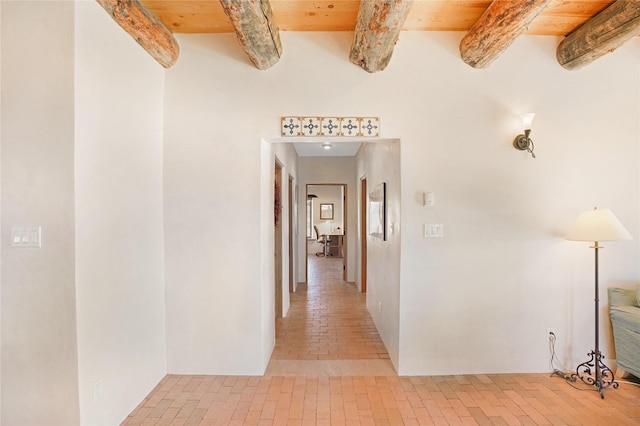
311, 146
315, 149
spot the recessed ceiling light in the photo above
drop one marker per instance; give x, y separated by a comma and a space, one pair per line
326, 145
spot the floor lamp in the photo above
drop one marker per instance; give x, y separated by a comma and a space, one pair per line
597, 225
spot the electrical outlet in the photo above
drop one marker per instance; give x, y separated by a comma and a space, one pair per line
550, 331
97, 389
379, 307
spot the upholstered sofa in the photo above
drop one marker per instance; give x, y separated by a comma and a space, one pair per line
624, 311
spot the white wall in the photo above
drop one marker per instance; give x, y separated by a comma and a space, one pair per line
480, 299
119, 219
212, 202
333, 170
39, 362
380, 163
501, 274
0, 217
327, 194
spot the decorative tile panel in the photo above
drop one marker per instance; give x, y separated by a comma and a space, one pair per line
291, 126
311, 126
350, 126
369, 126
330, 126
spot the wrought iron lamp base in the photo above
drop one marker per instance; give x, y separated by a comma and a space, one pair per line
594, 372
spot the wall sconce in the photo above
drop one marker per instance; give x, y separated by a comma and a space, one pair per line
326, 145
523, 142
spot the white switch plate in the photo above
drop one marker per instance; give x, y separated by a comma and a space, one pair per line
428, 199
97, 389
433, 230
26, 236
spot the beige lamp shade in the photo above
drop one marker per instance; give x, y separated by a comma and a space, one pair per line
598, 225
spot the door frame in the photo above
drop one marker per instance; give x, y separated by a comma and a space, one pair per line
277, 244
345, 240
363, 234
291, 232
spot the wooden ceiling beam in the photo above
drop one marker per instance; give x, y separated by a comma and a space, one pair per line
145, 28
257, 33
600, 35
497, 29
377, 30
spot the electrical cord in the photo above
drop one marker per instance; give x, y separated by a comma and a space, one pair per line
570, 379
552, 357
626, 382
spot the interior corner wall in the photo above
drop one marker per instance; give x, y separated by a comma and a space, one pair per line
379, 162
39, 358
119, 218
336, 170
267, 245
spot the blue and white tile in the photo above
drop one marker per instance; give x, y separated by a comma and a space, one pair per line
369, 126
311, 126
290, 126
350, 126
330, 126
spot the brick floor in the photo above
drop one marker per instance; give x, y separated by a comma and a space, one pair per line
504, 399
328, 323
328, 319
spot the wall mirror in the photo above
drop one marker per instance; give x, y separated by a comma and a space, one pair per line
377, 211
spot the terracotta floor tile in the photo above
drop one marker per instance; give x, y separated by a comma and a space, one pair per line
330, 367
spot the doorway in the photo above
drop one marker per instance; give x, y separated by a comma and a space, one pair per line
326, 220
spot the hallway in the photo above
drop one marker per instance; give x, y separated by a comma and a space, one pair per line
328, 330
329, 367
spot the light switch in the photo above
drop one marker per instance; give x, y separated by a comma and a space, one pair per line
26, 236
433, 230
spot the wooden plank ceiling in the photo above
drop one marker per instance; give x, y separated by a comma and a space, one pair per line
559, 18
591, 28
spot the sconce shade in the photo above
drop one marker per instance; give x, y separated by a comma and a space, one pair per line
523, 142
598, 225
527, 119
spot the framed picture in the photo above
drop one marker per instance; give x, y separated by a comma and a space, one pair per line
326, 211
378, 211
